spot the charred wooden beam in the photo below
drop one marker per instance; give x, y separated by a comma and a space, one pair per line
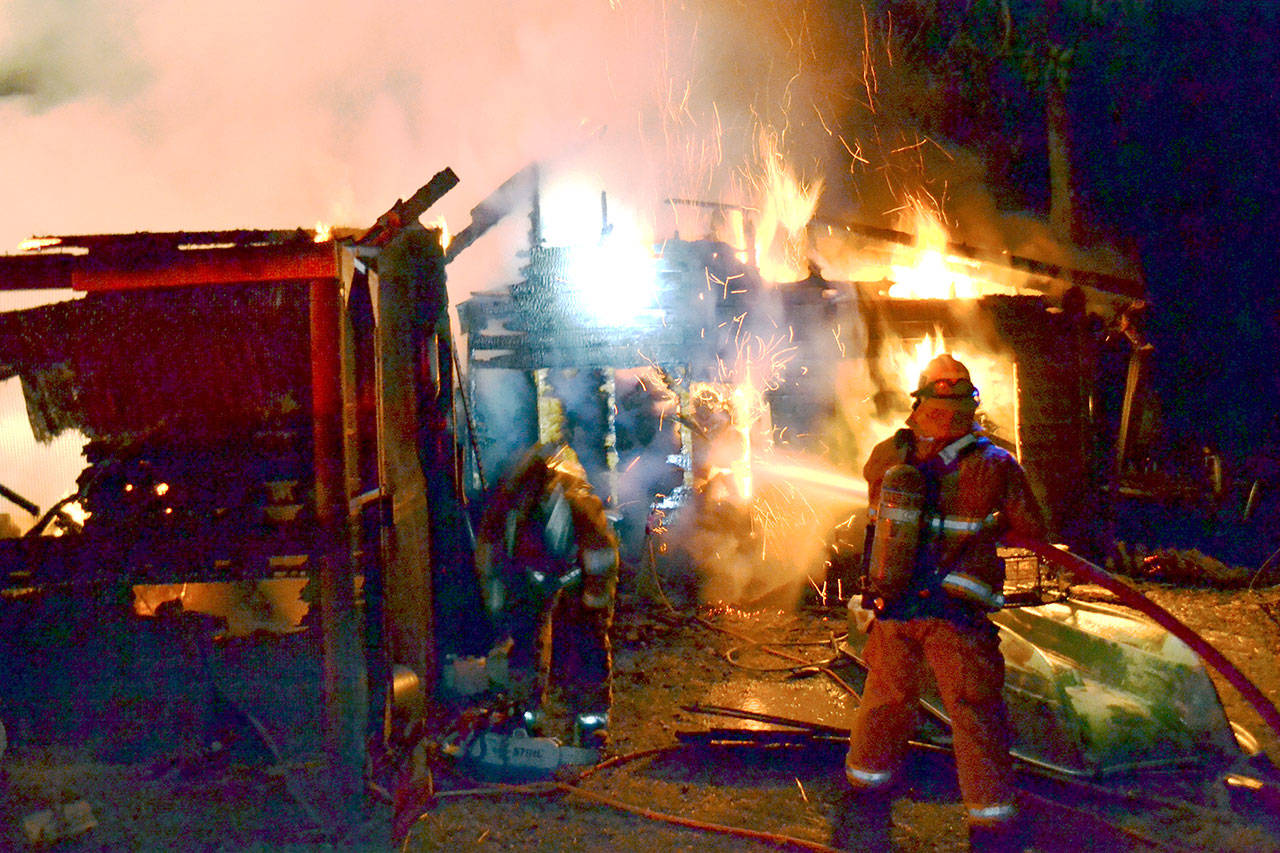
404, 212
36, 272
343, 657
15, 498
148, 242
522, 186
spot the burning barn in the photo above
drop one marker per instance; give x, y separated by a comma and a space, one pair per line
726, 412
266, 408
194, 366
631, 353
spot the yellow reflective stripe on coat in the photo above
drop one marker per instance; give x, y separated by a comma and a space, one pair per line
992, 814
949, 453
598, 561
969, 587
959, 524
897, 513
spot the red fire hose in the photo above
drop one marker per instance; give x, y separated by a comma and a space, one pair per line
1130, 597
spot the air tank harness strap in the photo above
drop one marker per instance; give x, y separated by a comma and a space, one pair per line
957, 525
941, 524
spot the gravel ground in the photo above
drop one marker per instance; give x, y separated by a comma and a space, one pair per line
150, 788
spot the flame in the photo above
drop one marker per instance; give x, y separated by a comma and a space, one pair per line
731, 227
76, 512
446, 236
36, 243
916, 356
323, 232
924, 271
731, 419
746, 408
786, 207
993, 373
737, 411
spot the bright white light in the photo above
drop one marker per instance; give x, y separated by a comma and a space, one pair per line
614, 283
36, 243
571, 212
21, 300
612, 273
42, 473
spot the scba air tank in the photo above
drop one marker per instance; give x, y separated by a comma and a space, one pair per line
897, 533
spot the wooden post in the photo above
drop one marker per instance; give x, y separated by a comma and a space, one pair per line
458, 608
342, 689
409, 615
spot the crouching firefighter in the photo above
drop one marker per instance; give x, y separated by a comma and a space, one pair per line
548, 562
941, 495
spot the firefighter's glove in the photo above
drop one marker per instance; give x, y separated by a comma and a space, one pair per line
600, 577
557, 525
904, 441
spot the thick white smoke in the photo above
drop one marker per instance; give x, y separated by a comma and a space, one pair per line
123, 115
143, 115
183, 116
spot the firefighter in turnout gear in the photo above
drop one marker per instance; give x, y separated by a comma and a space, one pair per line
547, 558
941, 496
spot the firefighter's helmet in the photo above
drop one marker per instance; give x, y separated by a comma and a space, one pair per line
945, 378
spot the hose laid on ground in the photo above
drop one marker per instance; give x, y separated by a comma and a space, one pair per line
1083, 786
1130, 597
820, 667
542, 788
1096, 574
770, 647
767, 837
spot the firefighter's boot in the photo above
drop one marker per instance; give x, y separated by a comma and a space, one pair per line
591, 729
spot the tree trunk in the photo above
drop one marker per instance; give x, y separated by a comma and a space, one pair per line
1062, 209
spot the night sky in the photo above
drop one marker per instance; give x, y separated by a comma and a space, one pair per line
1192, 168
1176, 139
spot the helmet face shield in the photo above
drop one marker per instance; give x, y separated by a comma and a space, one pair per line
945, 378
947, 389
945, 400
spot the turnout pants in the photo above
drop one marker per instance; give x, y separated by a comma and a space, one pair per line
969, 670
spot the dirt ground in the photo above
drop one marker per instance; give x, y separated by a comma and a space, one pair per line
150, 786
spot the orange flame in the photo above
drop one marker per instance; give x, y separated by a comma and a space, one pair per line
445, 234
915, 356
34, 244
786, 206
923, 271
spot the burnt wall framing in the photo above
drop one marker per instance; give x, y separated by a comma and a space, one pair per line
208, 372
707, 302
1063, 436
